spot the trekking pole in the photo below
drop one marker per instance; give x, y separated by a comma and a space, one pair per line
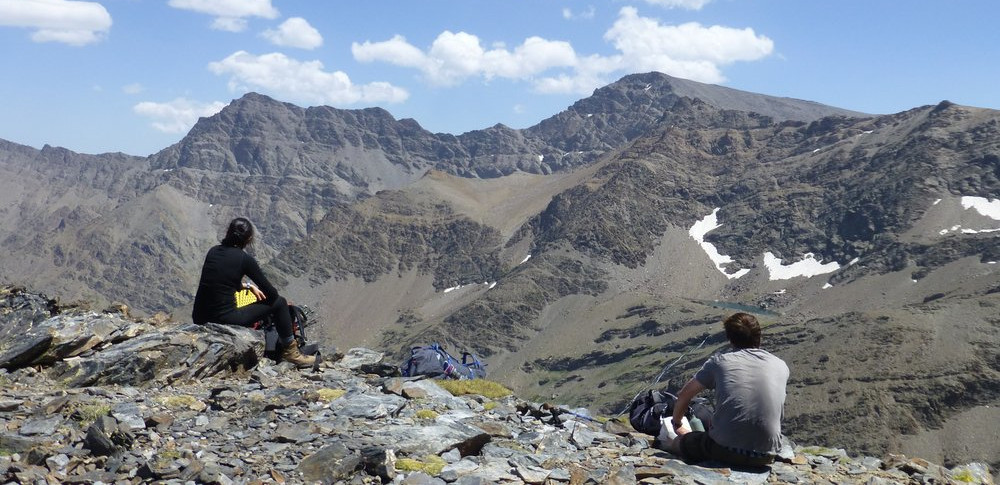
662, 372
578, 415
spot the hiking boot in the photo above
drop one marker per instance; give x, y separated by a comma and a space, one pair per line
292, 354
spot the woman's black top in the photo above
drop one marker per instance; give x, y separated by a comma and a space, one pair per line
221, 277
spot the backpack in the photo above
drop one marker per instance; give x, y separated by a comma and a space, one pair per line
646, 410
434, 361
300, 319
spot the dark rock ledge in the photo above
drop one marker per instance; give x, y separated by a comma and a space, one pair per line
88, 397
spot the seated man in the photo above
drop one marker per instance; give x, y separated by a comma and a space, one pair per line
750, 395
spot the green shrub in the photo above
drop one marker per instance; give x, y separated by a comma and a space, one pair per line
964, 476
427, 414
327, 394
480, 387
86, 414
180, 401
431, 465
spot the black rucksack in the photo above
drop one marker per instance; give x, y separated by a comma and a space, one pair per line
300, 319
646, 410
434, 361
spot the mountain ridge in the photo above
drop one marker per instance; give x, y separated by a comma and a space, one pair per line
568, 251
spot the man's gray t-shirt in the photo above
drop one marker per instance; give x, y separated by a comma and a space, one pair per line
749, 398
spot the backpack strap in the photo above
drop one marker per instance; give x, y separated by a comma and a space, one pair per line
299, 322
448, 363
475, 362
408, 369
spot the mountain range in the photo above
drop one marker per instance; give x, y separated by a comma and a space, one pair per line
584, 255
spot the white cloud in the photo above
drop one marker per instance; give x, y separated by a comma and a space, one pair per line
303, 81
134, 88
690, 51
229, 8
454, 57
534, 56
295, 32
177, 116
394, 51
688, 4
70, 22
589, 73
229, 24
587, 13
230, 15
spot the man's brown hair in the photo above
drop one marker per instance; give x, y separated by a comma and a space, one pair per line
743, 331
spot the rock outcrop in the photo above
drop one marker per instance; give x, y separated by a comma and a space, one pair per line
89, 397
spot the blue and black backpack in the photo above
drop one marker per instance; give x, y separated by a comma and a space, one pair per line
434, 361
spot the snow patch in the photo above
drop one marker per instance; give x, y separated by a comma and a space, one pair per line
808, 266
698, 231
950, 229
453, 288
827, 286
541, 157
492, 285
987, 207
525, 260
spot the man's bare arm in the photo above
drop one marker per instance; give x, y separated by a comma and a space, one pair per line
684, 397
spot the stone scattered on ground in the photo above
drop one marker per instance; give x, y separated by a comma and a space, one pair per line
89, 397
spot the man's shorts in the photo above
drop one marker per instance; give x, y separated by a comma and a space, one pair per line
697, 446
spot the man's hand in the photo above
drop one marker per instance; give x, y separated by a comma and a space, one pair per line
684, 397
681, 428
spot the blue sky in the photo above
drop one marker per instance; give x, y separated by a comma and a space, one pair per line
134, 75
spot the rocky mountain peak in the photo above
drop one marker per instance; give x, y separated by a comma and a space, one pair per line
583, 250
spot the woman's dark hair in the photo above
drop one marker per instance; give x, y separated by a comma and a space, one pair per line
239, 234
743, 331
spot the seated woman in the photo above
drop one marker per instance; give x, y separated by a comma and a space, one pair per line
222, 276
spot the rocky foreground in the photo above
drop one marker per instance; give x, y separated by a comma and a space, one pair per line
99, 397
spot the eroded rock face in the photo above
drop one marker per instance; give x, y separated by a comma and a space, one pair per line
106, 398
80, 348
